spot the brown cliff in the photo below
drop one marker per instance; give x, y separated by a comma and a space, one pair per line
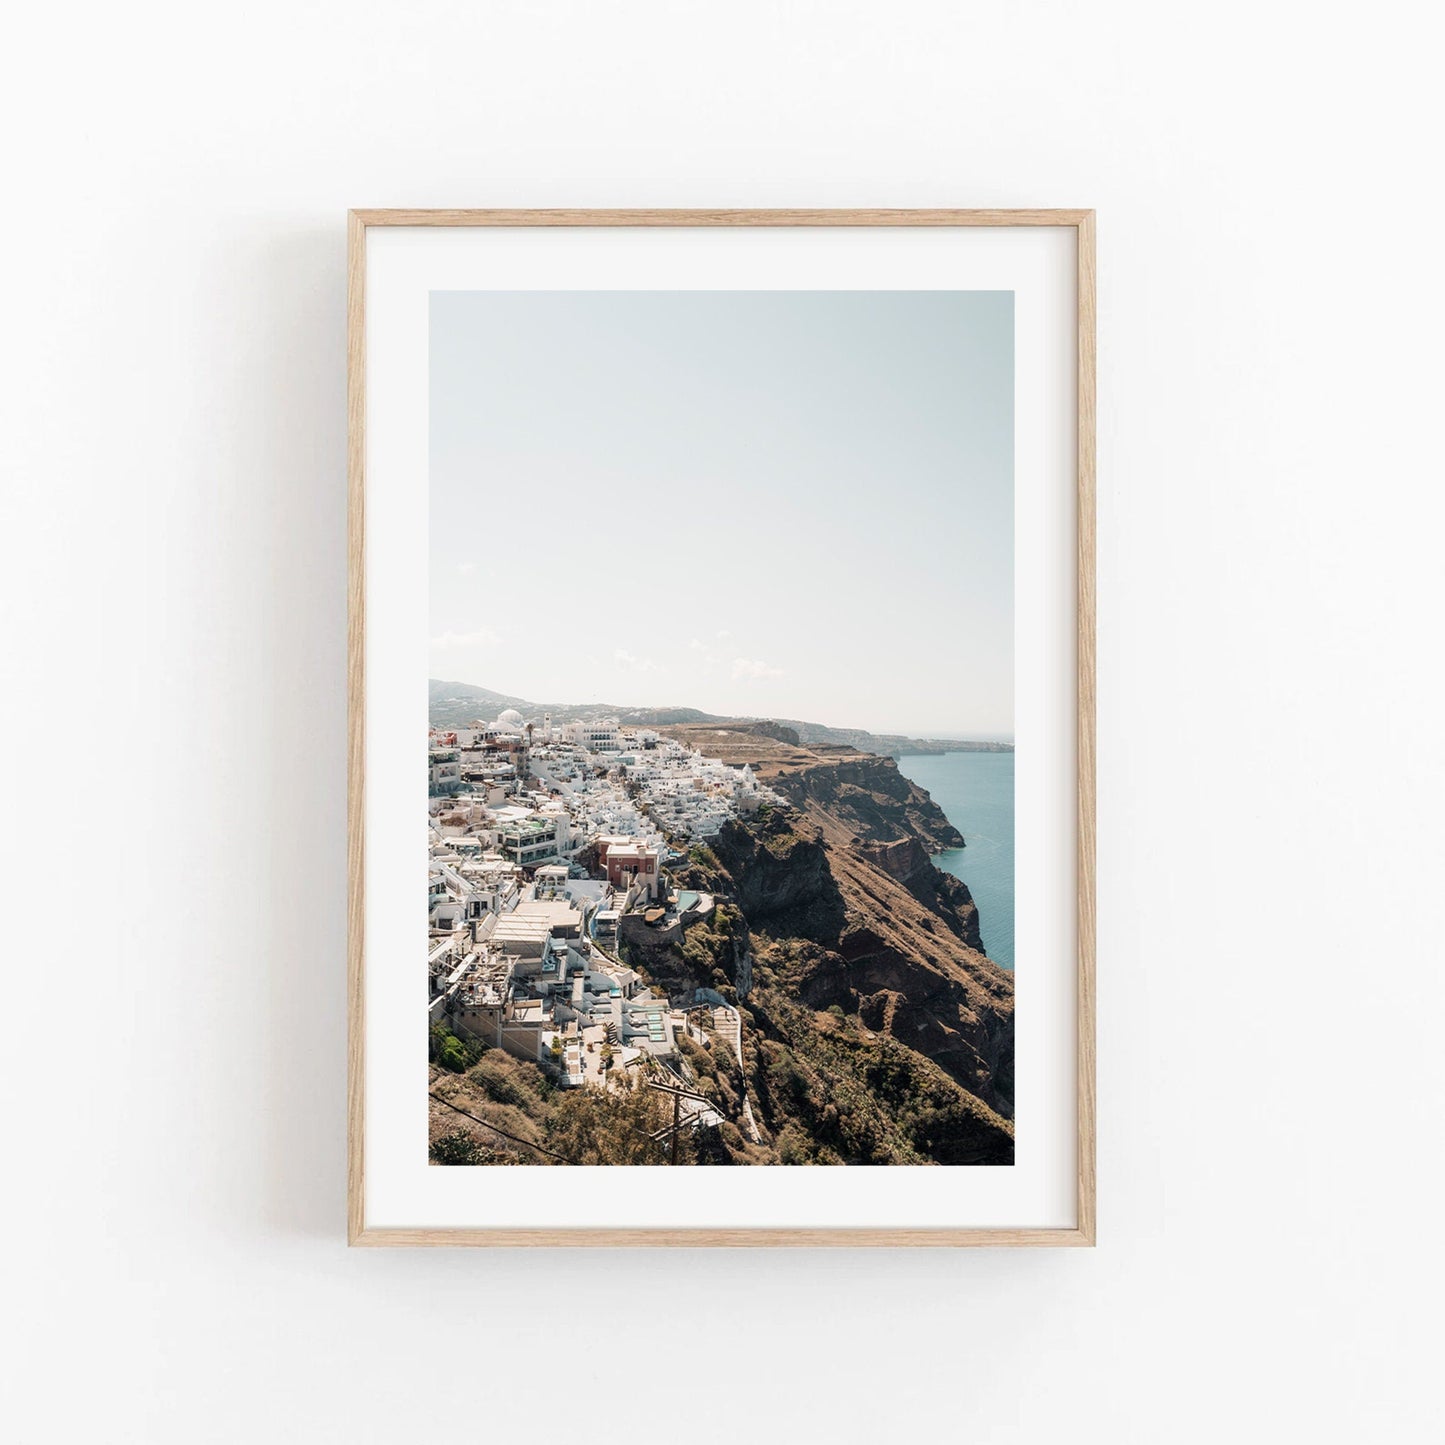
848, 913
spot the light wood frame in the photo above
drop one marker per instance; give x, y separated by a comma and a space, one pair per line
360, 221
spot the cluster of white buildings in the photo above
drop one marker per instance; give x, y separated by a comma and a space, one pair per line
605, 778
541, 839
532, 981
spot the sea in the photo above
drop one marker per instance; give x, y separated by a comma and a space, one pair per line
976, 792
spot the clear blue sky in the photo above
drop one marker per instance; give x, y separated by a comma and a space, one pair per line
772, 503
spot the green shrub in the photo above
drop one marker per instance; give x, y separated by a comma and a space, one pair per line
453, 1052
458, 1147
794, 1146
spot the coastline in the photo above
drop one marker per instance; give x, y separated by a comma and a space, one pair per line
974, 791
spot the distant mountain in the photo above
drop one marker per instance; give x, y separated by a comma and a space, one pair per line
457, 704
893, 745
475, 701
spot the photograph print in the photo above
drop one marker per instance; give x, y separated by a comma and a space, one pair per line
720, 765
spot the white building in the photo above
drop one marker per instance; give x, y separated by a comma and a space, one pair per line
445, 773
601, 736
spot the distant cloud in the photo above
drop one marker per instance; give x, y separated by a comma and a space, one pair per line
623, 658
752, 668
457, 641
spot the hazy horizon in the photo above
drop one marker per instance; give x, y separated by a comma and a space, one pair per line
622, 704
763, 504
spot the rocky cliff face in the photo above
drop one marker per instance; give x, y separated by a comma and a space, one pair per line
870, 926
894, 825
870, 795
841, 889
858, 945
782, 879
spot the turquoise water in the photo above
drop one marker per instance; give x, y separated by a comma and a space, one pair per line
976, 791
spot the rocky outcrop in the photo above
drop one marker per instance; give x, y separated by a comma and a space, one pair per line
893, 824
889, 937
781, 878
766, 728
872, 797
851, 921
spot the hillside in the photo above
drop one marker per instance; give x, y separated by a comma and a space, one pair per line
897, 940
457, 704
875, 1031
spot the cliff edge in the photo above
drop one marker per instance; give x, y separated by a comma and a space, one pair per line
855, 938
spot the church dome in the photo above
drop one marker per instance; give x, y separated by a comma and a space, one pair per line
511, 720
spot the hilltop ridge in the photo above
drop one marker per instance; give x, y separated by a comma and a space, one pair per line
456, 704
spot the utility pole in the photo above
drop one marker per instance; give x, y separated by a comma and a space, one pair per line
679, 1093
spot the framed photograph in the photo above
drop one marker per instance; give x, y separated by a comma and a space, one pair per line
721, 746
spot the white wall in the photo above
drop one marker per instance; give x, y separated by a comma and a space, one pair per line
1270, 825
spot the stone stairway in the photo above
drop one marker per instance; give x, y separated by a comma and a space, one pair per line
728, 1024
